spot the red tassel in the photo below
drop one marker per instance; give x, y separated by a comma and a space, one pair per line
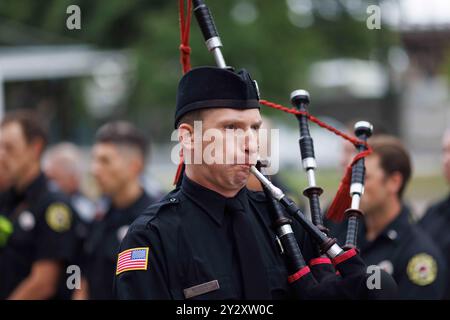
185, 27
342, 201
179, 170
185, 59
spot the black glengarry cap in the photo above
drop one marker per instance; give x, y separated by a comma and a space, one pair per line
212, 87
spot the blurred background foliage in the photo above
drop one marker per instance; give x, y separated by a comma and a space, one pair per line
393, 76
275, 40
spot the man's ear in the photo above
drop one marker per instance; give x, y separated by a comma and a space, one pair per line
186, 136
395, 182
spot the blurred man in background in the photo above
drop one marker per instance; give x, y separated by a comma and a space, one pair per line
387, 238
63, 165
118, 162
37, 238
436, 220
5, 184
5, 179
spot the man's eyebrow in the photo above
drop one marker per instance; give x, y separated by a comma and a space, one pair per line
238, 121
230, 120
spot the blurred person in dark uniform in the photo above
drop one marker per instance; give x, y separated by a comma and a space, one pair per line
387, 237
436, 220
5, 179
118, 159
63, 165
5, 184
37, 241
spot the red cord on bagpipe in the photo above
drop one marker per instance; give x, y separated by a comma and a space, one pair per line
185, 58
342, 199
185, 28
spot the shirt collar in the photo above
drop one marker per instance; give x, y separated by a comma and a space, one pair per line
138, 205
209, 201
32, 190
394, 231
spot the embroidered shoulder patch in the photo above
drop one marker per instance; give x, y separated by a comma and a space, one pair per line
59, 217
132, 259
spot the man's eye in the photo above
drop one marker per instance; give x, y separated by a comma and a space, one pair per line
230, 126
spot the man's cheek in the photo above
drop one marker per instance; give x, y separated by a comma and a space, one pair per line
229, 148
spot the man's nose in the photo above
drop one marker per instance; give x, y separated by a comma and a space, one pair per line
251, 142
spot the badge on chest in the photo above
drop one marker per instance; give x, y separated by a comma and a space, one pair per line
26, 220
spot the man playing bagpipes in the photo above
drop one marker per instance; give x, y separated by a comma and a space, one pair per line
212, 238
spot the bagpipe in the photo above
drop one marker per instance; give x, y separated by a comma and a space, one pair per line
335, 272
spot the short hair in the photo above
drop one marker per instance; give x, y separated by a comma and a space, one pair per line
122, 133
393, 157
190, 117
30, 122
69, 156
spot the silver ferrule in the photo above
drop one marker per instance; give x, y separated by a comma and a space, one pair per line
276, 192
334, 251
356, 188
309, 163
213, 43
284, 230
356, 199
311, 177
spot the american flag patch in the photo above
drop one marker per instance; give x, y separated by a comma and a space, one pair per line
132, 259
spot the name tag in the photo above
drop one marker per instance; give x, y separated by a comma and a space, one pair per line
201, 289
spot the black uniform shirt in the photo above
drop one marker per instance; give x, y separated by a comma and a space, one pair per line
188, 243
436, 222
410, 255
41, 230
102, 245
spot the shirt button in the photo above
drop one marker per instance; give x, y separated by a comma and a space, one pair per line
392, 234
